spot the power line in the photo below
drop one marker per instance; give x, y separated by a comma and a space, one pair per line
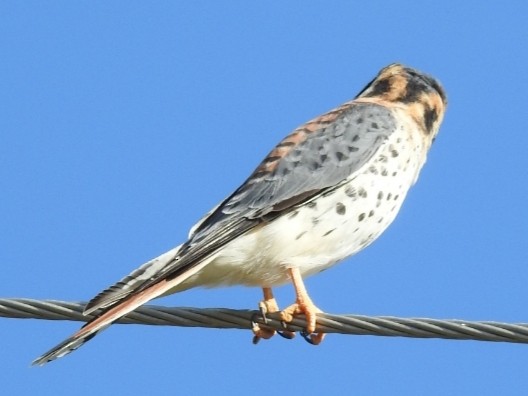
223, 318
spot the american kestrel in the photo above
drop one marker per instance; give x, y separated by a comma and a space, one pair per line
322, 194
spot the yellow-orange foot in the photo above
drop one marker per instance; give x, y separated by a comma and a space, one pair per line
268, 305
303, 305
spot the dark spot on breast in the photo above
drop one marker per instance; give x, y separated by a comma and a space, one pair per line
367, 240
300, 235
396, 197
394, 153
384, 172
328, 232
362, 192
361, 217
340, 208
359, 121
350, 191
374, 125
323, 157
315, 221
373, 170
389, 196
371, 213
355, 138
352, 149
380, 195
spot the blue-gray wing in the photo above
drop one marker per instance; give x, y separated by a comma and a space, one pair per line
315, 157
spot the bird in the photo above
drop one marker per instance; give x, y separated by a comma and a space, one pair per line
325, 192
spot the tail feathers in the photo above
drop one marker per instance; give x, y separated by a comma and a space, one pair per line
67, 346
113, 313
130, 283
105, 319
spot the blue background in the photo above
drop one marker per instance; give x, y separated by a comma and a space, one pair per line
122, 123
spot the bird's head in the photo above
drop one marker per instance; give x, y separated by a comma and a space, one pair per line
421, 94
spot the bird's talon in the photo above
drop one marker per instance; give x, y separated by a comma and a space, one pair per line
254, 323
258, 331
286, 334
312, 338
263, 311
307, 337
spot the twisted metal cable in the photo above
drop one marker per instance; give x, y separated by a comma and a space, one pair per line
242, 319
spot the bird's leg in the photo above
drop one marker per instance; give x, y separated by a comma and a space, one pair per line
267, 305
303, 305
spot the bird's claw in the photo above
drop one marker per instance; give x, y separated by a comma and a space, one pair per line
306, 336
285, 333
312, 338
310, 311
263, 308
265, 332
259, 331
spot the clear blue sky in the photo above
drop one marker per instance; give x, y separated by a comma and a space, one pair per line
121, 123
